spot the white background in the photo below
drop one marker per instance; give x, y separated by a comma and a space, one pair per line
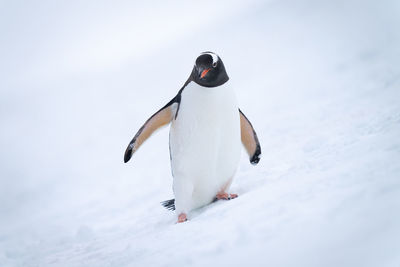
319, 80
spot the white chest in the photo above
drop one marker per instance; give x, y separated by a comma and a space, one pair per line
205, 137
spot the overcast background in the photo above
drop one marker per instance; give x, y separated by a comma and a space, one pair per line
320, 81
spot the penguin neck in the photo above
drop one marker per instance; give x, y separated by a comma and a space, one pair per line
200, 91
193, 85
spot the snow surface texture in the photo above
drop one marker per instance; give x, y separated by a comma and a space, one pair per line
320, 81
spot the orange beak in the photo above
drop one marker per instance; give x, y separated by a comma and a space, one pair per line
204, 73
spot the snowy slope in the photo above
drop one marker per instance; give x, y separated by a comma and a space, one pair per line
320, 82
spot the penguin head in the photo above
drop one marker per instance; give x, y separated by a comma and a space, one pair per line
209, 70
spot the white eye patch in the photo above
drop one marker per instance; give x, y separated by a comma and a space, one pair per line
214, 56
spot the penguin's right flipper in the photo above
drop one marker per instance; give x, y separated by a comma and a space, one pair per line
249, 139
162, 117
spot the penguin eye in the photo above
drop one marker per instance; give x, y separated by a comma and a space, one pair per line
214, 64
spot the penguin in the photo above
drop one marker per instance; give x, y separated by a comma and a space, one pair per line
206, 134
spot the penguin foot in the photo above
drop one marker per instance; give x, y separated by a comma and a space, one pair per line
182, 218
226, 196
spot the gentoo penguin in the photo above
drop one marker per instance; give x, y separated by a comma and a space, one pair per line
206, 130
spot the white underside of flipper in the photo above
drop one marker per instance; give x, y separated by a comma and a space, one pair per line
205, 145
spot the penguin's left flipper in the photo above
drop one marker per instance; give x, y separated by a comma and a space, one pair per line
249, 139
161, 118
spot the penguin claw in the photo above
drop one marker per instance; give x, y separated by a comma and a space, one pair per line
232, 196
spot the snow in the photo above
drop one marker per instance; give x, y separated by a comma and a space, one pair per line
319, 80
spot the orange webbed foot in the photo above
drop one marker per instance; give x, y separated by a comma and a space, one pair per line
226, 196
182, 218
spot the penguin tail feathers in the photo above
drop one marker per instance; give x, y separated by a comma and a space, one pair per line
169, 204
